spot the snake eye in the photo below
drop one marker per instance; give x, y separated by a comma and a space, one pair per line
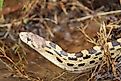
28, 39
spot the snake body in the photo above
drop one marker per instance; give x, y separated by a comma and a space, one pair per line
75, 62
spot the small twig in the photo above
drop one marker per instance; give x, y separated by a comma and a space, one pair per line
95, 15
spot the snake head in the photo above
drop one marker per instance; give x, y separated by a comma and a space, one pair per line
33, 40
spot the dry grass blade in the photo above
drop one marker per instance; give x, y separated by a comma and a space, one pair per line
54, 79
13, 66
2, 50
103, 37
49, 30
88, 38
29, 6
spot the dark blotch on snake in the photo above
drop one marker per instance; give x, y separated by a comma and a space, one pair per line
64, 59
92, 61
118, 59
115, 43
59, 60
70, 64
79, 54
72, 58
52, 45
75, 67
49, 52
95, 57
76, 70
101, 48
96, 62
58, 53
33, 45
92, 51
100, 58
87, 57
98, 53
48, 47
112, 53
118, 49
112, 48
63, 53
82, 64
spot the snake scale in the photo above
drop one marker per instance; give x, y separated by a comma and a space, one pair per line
74, 62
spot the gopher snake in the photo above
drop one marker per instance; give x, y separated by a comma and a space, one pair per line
74, 62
